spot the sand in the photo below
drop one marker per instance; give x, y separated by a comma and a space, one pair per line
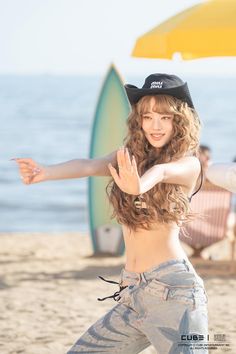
48, 291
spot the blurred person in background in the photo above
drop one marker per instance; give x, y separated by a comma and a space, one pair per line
204, 155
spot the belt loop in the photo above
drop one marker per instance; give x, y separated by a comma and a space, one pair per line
165, 293
186, 265
142, 278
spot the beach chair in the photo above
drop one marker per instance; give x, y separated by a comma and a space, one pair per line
213, 205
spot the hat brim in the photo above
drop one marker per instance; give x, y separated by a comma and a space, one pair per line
181, 92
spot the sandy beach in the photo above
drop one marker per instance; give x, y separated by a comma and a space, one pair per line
49, 291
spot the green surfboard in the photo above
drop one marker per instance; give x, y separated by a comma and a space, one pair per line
108, 132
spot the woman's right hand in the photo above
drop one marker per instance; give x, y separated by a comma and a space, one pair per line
30, 171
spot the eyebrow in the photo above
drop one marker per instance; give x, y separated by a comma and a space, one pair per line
163, 113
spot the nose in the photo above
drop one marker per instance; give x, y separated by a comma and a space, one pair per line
156, 124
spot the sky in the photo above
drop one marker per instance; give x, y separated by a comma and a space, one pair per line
64, 37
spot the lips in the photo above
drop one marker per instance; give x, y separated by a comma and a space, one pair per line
157, 136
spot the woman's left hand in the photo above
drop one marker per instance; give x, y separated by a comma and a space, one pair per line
127, 178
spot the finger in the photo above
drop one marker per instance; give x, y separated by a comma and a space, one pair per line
112, 170
25, 174
24, 169
30, 179
127, 160
134, 164
121, 158
23, 163
22, 160
35, 171
25, 179
114, 173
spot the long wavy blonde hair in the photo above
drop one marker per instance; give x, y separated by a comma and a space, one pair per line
165, 202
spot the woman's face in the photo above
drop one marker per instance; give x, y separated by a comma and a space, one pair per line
157, 127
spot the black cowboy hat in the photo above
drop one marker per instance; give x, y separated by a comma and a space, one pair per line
160, 84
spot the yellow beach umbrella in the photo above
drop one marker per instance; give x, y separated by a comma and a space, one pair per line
204, 30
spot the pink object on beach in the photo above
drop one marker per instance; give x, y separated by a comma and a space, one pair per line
212, 203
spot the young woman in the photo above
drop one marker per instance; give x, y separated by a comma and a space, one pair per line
161, 299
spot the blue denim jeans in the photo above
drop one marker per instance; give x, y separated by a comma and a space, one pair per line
165, 306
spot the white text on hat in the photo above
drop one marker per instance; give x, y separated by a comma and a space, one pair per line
156, 84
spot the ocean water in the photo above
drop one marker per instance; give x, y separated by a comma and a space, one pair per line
49, 119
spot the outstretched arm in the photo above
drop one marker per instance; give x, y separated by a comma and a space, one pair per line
183, 172
33, 172
81, 168
223, 175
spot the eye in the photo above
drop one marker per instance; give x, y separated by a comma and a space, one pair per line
166, 117
147, 117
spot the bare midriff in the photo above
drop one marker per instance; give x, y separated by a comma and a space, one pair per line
146, 249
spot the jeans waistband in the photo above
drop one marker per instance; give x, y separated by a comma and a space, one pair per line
163, 269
